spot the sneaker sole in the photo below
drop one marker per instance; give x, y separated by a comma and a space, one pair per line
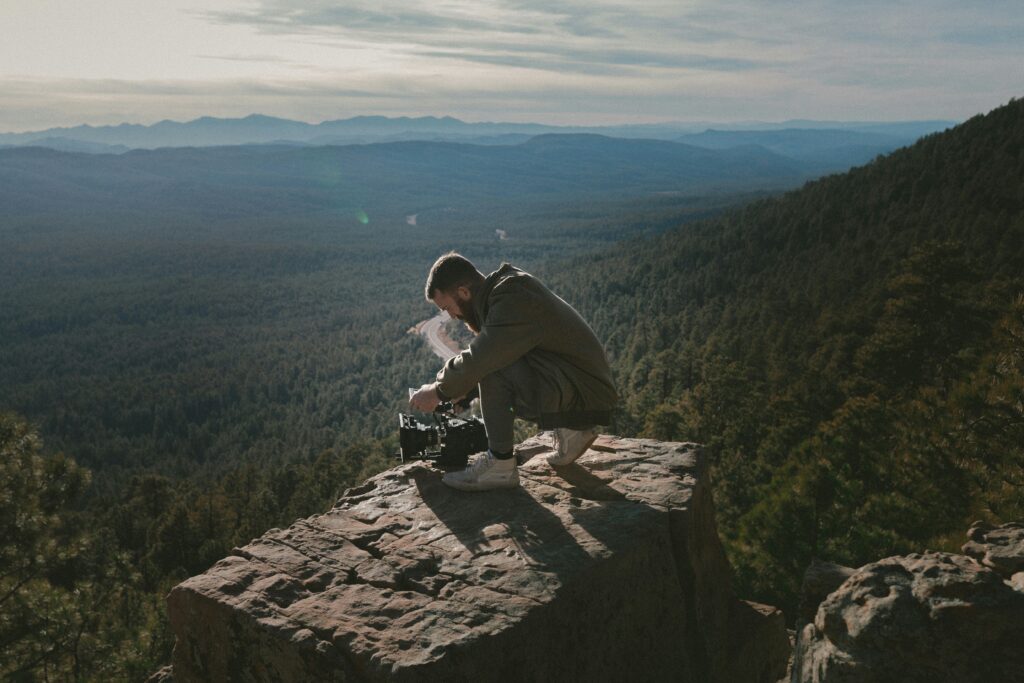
556, 462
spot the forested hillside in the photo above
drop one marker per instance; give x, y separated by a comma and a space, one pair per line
211, 343
852, 353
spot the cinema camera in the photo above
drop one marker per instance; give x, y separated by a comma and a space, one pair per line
446, 444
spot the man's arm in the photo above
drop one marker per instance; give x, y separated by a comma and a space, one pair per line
514, 326
426, 398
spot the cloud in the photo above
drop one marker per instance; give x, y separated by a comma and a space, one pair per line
987, 36
599, 37
553, 34
258, 59
35, 104
357, 18
597, 62
560, 36
564, 61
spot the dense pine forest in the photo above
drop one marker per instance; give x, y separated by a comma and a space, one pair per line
851, 353
190, 361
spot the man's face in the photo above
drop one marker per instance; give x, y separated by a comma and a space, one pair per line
458, 303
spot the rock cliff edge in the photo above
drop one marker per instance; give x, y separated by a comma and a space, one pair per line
607, 569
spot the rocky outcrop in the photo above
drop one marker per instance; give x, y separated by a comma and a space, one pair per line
1000, 548
608, 569
919, 618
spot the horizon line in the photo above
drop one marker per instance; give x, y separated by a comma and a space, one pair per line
435, 117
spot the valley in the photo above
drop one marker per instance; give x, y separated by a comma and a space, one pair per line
213, 342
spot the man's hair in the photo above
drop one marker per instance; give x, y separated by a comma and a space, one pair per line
450, 272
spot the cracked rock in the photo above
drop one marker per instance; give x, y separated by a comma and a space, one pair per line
607, 569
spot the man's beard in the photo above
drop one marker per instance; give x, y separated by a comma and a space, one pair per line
467, 313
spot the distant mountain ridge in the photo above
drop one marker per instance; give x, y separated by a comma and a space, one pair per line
261, 129
830, 146
281, 178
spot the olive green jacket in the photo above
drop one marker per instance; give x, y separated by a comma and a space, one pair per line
521, 318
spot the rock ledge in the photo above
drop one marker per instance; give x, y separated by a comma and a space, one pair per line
610, 568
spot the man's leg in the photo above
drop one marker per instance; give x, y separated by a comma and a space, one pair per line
513, 392
504, 395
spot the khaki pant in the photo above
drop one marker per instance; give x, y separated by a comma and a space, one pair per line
505, 395
537, 390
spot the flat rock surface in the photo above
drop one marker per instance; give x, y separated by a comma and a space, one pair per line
407, 579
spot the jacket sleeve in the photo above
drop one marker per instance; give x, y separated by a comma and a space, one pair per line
514, 326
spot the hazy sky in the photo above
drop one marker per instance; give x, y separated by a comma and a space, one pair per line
64, 62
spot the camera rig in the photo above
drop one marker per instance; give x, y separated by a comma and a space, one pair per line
447, 443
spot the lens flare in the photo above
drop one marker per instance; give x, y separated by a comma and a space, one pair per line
362, 217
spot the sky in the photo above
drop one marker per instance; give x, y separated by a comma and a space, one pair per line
588, 62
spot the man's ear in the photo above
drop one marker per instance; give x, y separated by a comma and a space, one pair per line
463, 292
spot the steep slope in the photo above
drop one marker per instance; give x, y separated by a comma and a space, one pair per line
833, 149
852, 351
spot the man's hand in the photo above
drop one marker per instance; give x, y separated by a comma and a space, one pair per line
425, 399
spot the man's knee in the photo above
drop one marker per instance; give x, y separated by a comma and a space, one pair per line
509, 379
513, 386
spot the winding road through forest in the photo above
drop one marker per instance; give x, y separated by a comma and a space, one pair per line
433, 331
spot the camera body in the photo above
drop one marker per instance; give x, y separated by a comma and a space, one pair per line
447, 443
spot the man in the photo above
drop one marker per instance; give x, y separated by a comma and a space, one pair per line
533, 357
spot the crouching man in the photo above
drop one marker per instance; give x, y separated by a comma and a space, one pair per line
533, 357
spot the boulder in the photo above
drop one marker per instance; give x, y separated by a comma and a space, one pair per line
928, 618
607, 569
820, 580
1000, 548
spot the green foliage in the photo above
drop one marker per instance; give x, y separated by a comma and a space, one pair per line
82, 588
68, 595
850, 353
932, 318
38, 550
987, 421
223, 340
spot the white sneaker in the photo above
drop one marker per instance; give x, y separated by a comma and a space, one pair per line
485, 473
571, 444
